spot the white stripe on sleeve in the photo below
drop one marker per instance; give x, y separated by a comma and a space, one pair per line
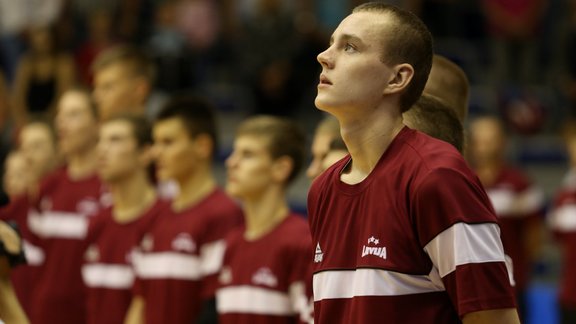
563, 218
464, 244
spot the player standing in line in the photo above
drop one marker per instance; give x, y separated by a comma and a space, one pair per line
124, 155
179, 259
518, 203
37, 147
66, 199
562, 221
267, 263
403, 221
123, 80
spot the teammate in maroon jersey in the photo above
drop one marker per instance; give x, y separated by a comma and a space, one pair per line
267, 263
67, 198
518, 203
179, 258
124, 155
402, 229
562, 220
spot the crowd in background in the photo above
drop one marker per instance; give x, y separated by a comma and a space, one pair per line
259, 57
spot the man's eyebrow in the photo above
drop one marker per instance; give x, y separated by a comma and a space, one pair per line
348, 37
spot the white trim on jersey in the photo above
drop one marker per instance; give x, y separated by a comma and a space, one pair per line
301, 302
563, 218
212, 256
508, 203
372, 282
113, 276
167, 265
464, 244
34, 255
58, 224
253, 300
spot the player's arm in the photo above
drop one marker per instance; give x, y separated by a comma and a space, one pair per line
494, 316
135, 314
10, 309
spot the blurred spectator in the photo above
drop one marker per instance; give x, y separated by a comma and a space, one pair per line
99, 38
517, 201
513, 29
43, 74
15, 18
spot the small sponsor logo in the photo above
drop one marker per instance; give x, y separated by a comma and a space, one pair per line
184, 242
92, 253
379, 251
147, 243
265, 277
318, 255
225, 276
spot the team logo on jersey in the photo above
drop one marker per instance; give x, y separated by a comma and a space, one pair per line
379, 251
92, 253
147, 242
225, 276
184, 242
318, 255
265, 277
88, 207
45, 203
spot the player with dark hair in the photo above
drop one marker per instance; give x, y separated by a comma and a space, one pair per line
267, 263
179, 258
402, 228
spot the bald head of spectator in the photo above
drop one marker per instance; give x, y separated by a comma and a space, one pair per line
123, 80
448, 83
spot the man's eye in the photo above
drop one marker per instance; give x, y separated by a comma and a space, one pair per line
349, 47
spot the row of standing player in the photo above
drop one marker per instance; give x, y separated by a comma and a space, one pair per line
164, 264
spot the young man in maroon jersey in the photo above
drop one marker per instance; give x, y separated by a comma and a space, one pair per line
179, 258
124, 155
517, 201
562, 221
66, 199
267, 263
402, 229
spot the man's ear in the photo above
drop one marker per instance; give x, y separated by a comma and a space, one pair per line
401, 78
204, 145
147, 155
282, 168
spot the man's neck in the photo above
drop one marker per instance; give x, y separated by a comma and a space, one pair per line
132, 197
264, 213
367, 138
194, 188
82, 165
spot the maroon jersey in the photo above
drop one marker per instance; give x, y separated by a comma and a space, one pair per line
264, 281
419, 230
178, 260
518, 205
107, 271
562, 220
24, 277
61, 219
